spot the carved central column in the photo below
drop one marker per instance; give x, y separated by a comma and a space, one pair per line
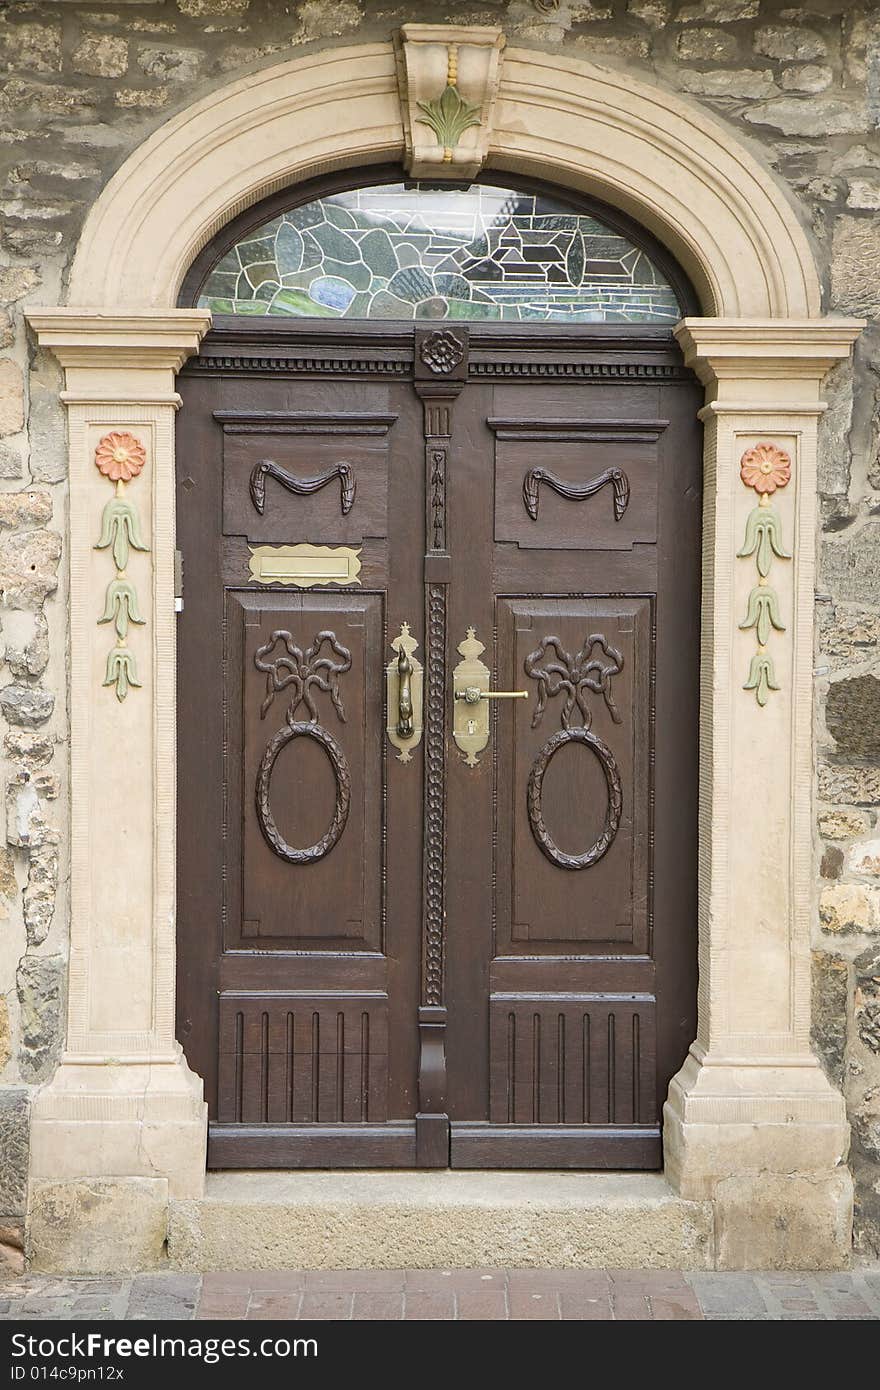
440, 373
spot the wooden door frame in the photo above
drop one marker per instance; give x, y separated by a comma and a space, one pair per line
751, 1100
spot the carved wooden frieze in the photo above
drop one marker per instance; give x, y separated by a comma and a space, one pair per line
556, 672
304, 673
764, 468
448, 76
120, 457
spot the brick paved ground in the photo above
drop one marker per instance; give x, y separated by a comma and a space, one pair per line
628, 1295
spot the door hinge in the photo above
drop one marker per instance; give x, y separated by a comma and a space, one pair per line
178, 581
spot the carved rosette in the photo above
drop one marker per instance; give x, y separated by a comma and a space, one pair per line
442, 351
556, 672
303, 672
120, 457
764, 468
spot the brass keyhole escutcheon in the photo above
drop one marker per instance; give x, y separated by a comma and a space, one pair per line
471, 694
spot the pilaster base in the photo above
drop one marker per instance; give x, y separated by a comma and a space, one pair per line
98, 1225
766, 1141
121, 1119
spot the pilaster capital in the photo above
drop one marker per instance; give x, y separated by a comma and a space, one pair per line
730, 354
156, 339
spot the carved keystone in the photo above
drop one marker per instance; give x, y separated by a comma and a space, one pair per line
448, 76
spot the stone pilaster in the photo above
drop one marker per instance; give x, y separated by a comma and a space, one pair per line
123, 1105
751, 1116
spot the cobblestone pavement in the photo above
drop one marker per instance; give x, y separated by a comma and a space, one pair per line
482, 1294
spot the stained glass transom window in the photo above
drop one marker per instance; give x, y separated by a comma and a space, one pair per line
399, 252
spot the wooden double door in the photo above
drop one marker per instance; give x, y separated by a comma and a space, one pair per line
419, 926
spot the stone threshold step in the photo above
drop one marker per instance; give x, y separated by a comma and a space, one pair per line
439, 1219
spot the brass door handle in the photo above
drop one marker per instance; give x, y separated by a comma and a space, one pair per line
470, 688
472, 694
404, 695
404, 689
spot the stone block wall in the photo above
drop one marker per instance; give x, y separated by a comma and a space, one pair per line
82, 84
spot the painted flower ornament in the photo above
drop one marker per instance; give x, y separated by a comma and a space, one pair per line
120, 457
765, 468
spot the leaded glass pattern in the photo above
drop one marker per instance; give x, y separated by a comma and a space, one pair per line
397, 252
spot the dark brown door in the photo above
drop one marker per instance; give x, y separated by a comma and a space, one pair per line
478, 958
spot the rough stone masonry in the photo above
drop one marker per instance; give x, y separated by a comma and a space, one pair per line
82, 84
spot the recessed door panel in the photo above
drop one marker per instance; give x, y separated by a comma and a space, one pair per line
578, 487
311, 478
299, 1058
574, 774
311, 777
572, 1059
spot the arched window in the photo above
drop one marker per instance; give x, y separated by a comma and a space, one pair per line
400, 251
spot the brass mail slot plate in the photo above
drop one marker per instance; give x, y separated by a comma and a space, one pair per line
305, 565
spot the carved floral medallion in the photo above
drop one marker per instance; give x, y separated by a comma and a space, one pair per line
765, 468
120, 457
442, 352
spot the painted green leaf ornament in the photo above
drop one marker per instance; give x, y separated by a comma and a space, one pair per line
762, 677
120, 528
121, 606
449, 116
764, 536
763, 612
121, 671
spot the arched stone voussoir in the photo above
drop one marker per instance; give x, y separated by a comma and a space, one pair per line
660, 158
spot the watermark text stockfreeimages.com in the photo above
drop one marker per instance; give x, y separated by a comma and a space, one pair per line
99, 1346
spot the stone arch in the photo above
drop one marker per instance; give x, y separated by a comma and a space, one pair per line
638, 147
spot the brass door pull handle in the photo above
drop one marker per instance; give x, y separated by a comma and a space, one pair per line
472, 694
404, 695
404, 690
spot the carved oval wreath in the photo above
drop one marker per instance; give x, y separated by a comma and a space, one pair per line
543, 839
342, 774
